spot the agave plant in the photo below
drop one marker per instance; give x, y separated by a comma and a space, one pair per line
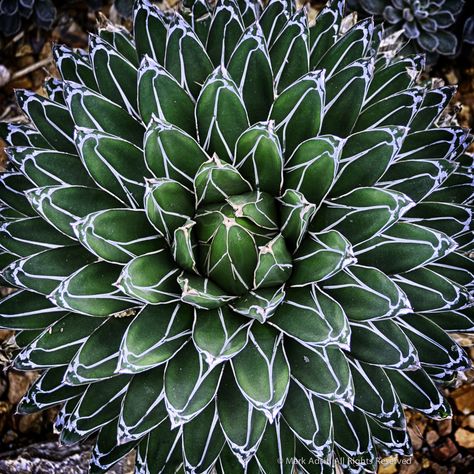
426, 24
239, 242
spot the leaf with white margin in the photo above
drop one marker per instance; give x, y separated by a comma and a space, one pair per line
48, 391
160, 450
151, 278
311, 169
309, 417
190, 385
375, 395
202, 441
417, 391
259, 304
20, 134
172, 153
48, 167
404, 247
186, 59
435, 348
297, 111
117, 235
320, 256
57, 344
90, 291
274, 17
313, 318
63, 205
453, 321
367, 294
219, 334
52, 120
102, 156
250, 68
459, 187
429, 291
457, 267
143, 407
384, 344
106, 452
160, 95
92, 110
13, 186
324, 371
262, 372
200, 20
396, 441
44, 271
121, 39
362, 213
365, 157
243, 425
98, 405
184, 247
224, 32
115, 75
98, 356
142, 349
26, 310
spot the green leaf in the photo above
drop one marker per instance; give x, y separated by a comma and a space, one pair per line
312, 168
297, 111
324, 371
144, 349
90, 291
362, 213
62, 206
151, 278
44, 271
102, 155
91, 110
172, 153
434, 103
13, 187
274, 18
225, 30
219, 334
319, 257
404, 247
202, 293
259, 158
27, 310
289, 52
383, 343
57, 344
367, 294
48, 117
262, 372
117, 235
313, 318
168, 205
18, 134
121, 39
190, 385
251, 70
221, 115
243, 425
457, 267
186, 59
160, 95
201, 19
184, 247
143, 406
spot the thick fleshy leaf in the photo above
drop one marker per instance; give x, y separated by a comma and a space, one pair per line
219, 334
91, 291
297, 111
142, 349
190, 384
220, 114
457, 267
151, 278
184, 247
367, 294
324, 371
19, 134
160, 95
259, 158
313, 318
117, 235
13, 187
319, 257
102, 155
435, 101
121, 39
261, 370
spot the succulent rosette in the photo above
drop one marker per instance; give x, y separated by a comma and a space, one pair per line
239, 240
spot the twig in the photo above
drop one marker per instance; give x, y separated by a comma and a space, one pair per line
33, 67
